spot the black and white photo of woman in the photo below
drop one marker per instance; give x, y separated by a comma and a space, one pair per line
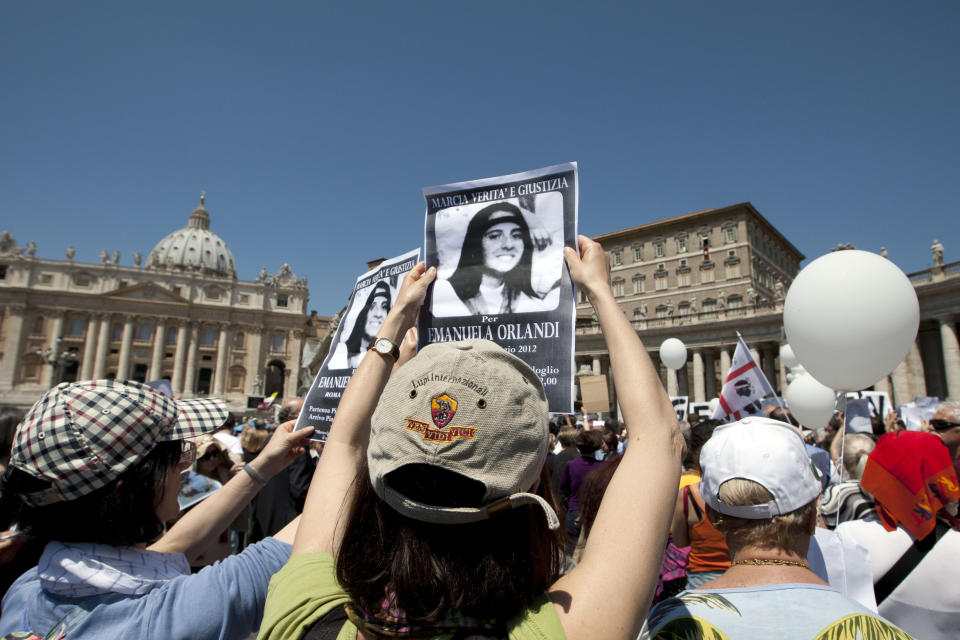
509, 260
351, 350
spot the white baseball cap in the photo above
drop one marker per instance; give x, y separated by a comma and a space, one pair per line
768, 452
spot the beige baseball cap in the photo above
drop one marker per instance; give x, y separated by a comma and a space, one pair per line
471, 408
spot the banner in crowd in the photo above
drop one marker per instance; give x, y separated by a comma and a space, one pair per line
373, 295
744, 388
703, 409
497, 245
680, 405
593, 394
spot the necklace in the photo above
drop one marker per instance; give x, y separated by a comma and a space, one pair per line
759, 562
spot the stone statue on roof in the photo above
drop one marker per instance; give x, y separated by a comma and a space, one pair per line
937, 250
70, 253
31, 250
137, 259
104, 256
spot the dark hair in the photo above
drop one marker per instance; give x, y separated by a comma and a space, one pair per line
489, 569
589, 441
783, 416
466, 279
357, 335
700, 433
122, 513
592, 490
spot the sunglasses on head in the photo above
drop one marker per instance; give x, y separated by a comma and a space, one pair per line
940, 424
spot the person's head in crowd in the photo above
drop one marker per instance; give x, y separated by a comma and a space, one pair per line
911, 477
835, 425
130, 487
588, 442
783, 415
856, 450
369, 319
946, 424
212, 459
693, 419
699, 435
229, 424
567, 438
592, 490
448, 504
760, 489
610, 440
253, 439
290, 410
498, 245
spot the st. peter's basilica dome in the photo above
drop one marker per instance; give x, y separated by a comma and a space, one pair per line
194, 248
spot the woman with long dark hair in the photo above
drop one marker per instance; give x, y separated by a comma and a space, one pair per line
430, 513
494, 273
367, 324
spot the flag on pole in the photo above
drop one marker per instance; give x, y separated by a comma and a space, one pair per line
266, 402
743, 388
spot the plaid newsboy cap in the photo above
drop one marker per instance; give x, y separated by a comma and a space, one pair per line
81, 436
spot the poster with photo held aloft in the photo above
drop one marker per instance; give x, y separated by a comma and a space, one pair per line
373, 295
497, 245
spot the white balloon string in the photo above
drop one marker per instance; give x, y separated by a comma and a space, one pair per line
843, 441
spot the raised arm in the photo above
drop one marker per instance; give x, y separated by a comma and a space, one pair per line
332, 487
626, 543
195, 531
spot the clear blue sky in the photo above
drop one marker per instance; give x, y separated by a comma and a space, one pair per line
313, 128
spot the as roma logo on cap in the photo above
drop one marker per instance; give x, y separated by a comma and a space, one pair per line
442, 408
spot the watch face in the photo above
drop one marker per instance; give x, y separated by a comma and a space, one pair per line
382, 345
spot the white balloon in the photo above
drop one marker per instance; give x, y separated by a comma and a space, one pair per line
787, 358
850, 318
673, 353
810, 402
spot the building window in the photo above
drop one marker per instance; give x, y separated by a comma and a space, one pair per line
706, 274
660, 281
117, 333
46, 278
638, 282
3, 272
238, 339
77, 327
638, 253
735, 302
243, 298
658, 249
618, 288
213, 294
281, 300
145, 332
171, 336
681, 245
237, 377
709, 305
277, 342
683, 308
209, 337
581, 296
733, 271
683, 279
704, 240
636, 313
730, 235
176, 291
662, 311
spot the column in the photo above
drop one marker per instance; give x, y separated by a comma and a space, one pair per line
126, 342
190, 375
755, 353
724, 363
596, 365
159, 343
951, 357
295, 355
769, 367
710, 378
918, 383
699, 390
782, 377
254, 364
103, 345
178, 356
89, 346
12, 344
901, 384
672, 385
223, 348
54, 345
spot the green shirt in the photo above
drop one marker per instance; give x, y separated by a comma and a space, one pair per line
306, 589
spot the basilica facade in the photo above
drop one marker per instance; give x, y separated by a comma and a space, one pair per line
180, 314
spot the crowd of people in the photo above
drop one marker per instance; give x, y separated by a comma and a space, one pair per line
452, 506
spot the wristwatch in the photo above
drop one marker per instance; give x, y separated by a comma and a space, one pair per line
385, 347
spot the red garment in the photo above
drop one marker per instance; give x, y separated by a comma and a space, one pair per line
911, 477
708, 549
